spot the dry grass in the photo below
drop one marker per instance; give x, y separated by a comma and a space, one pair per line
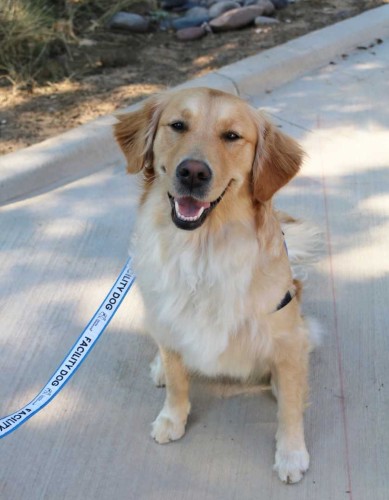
26, 33
33, 33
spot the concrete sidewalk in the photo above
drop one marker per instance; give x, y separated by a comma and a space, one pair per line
62, 250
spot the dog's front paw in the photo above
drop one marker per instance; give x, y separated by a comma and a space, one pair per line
291, 465
169, 425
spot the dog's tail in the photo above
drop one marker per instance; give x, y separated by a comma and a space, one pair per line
304, 242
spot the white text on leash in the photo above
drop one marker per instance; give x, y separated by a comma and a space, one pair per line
77, 353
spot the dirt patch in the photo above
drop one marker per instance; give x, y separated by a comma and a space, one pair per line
109, 71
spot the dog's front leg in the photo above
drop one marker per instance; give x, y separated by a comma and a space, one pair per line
170, 423
291, 384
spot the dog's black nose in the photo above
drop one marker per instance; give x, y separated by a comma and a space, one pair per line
193, 174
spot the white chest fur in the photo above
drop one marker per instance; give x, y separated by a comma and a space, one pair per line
200, 296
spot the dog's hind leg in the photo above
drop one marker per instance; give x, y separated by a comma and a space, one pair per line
170, 423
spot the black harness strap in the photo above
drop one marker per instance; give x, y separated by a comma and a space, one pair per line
288, 296
285, 301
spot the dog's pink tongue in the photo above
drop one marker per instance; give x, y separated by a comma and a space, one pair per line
189, 207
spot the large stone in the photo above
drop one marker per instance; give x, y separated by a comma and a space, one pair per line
189, 22
220, 8
129, 22
186, 6
193, 33
267, 6
236, 18
263, 20
197, 12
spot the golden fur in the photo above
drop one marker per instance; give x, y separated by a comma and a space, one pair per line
211, 293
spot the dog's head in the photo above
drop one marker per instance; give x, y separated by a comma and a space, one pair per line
201, 144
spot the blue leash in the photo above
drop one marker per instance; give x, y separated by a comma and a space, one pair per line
77, 354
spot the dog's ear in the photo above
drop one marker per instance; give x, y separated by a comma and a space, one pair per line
135, 134
277, 160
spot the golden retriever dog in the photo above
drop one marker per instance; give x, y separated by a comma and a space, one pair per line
210, 256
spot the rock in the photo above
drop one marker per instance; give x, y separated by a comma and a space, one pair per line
189, 22
197, 12
186, 6
236, 18
262, 20
171, 4
129, 22
220, 8
193, 33
280, 4
267, 6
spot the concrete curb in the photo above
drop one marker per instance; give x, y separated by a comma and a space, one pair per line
285, 63
91, 147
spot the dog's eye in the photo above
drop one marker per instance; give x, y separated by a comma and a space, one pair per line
178, 126
231, 136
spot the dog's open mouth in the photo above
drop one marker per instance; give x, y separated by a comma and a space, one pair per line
189, 213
